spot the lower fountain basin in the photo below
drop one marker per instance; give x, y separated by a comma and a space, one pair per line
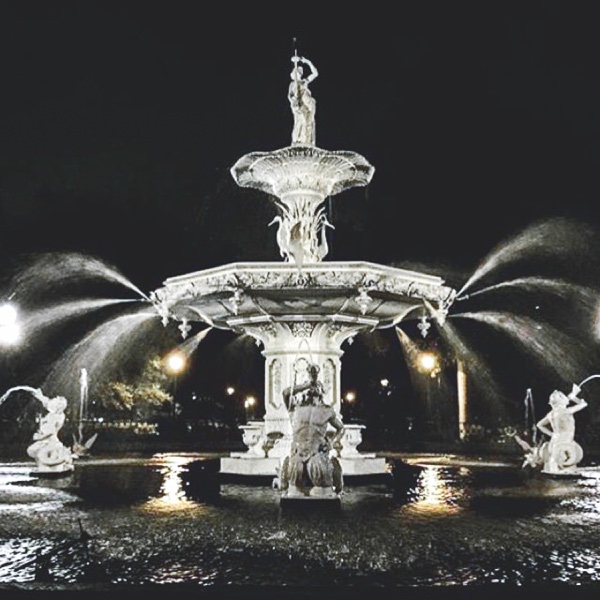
169, 520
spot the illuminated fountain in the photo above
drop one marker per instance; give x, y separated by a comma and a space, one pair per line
303, 309
445, 521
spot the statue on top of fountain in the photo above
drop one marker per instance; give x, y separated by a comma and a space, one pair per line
303, 105
561, 454
310, 470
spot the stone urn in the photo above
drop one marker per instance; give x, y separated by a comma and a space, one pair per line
351, 439
253, 434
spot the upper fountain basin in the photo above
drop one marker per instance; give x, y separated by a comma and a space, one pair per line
302, 168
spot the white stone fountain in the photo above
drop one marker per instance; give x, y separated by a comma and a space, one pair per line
303, 309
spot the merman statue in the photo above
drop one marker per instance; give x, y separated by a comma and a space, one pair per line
52, 457
561, 454
310, 470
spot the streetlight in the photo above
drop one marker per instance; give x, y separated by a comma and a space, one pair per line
350, 396
348, 400
10, 332
386, 387
175, 363
249, 403
428, 363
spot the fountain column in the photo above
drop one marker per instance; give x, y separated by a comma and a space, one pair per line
288, 348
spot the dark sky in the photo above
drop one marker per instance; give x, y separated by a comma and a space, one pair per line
119, 122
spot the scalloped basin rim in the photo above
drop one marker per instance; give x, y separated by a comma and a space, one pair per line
308, 269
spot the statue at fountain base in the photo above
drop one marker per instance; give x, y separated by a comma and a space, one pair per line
561, 454
311, 470
561, 459
51, 456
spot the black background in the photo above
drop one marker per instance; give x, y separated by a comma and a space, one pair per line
119, 122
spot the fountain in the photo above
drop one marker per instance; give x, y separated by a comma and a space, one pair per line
303, 309
442, 524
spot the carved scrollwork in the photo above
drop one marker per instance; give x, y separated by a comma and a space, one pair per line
302, 329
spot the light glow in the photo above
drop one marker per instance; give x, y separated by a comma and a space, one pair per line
427, 361
10, 331
175, 362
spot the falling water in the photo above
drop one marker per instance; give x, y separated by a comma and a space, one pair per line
477, 366
410, 348
564, 289
530, 420
191, 344
26, 388
552, 348
35, 321
478, 370
103, 348
556, 238
589, 379
83, 401
56, 269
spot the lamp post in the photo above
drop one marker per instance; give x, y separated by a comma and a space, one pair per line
348, 400
233, 406
428, 365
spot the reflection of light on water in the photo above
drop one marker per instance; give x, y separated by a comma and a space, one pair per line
585, 563
17, 558
585, 506
31, 506
434, 492
16, 495
173, 496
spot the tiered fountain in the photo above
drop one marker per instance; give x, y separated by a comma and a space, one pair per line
302, 309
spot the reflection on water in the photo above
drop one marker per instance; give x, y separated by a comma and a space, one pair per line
168, 519
437, 492
172, 494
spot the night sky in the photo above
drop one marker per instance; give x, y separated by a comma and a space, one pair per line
119, 122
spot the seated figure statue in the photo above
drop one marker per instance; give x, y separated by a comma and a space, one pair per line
310, 469
562, 453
